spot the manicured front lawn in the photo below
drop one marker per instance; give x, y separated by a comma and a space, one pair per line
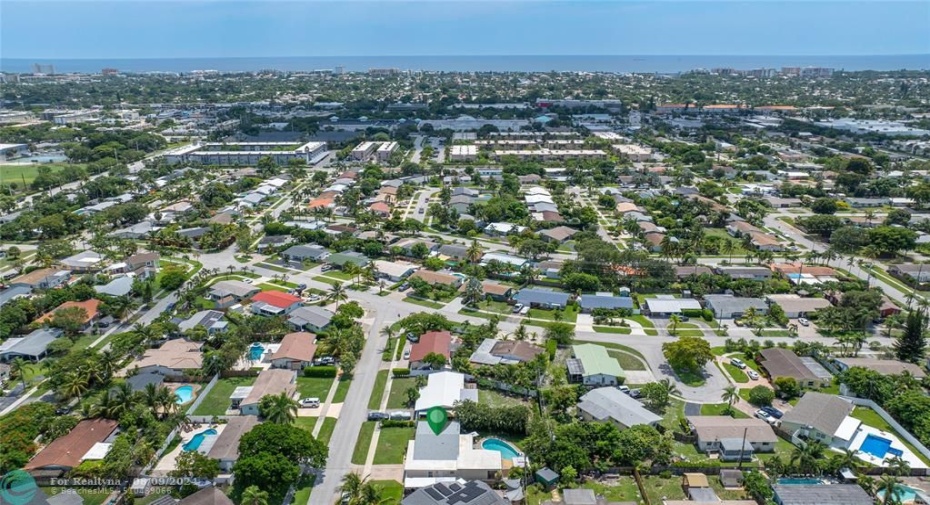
303, 488
392, 444
493, 306
314, 387
342, 389
392, 492
306, 423
424, 303
217, 401
338, 274
329, 424
275, 268
569, 315
720, 409
642, 320
364, 442
377, 392
737, 374
398, 396
620, 330
271, 287
690, 378
626, 360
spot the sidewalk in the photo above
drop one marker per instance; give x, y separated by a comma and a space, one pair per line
370, 458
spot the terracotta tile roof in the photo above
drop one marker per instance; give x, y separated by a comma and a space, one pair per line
433, 341
90, 307
380, 207
67, 451
276, 298
493, 288
320, 202
435, 277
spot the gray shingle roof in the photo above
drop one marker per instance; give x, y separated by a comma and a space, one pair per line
605, 302
824, 412
429, 446
453, 493
612, 404
821, 494
310, 314
541, 297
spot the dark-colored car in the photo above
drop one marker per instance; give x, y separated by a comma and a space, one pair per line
377, 416
403, 287
772, 411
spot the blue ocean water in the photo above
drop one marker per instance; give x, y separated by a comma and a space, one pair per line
621, 64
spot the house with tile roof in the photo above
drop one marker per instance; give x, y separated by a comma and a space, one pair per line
438, 342
296, 351
274, 303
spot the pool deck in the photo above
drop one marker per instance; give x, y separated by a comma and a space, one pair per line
865, 430
167, 462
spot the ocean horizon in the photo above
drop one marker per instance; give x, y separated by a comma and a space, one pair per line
516, 63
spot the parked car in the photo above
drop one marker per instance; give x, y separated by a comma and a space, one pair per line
404, 287
247, 280
328, 360
803, 321
420, 210
407, 354
625, 389
762, 414
326, 268
301, 286
310, 403
517, 308
738, 363
400, 416
525, 310
752, 374
374, 415
413, 337
772, 411
635, 393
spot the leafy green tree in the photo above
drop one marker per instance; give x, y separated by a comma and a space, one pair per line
688, 353
787, 387
172, 277
195, 465
758, 486
658, 394
911, 345
824, 206
889, 240
761, 396
562, 333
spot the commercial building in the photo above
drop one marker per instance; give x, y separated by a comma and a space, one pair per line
633, 152
385, 151
463, 153
245, 153
546, 154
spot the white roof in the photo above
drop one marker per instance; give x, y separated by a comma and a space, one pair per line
98, 451
671, 305
394, 268
442, 389
847, 429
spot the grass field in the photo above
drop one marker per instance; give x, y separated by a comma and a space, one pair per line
392, 444
659, 489
569, 315
497, 399
377, 391
719, 409
398, 396
737, 374
424, 303
329, 424
626, 360
16, 172
391, 491
314, 387
217, 401
364, 442
620, 330
267, 286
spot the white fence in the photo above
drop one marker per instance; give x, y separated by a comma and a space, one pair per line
901, 432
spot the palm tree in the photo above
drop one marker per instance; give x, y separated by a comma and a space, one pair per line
252, 495
18, 367
337, 294
474, 252
670, 388
361, 491
888, 488
808, 457
776, 467
847, 459
676, 320
727, 247
108, 362
899, 466
75, 385
730, 395
278, 409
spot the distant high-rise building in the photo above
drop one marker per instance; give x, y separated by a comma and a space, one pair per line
109, 71
791, 71
38, 68
383, 72
339, 70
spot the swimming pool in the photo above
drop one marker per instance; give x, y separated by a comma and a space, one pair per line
194, 443
797, 481
876, 446
184, 394
507, 451
904, 494
256, 351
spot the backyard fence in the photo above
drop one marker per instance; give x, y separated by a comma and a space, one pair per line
203, 394
901, 432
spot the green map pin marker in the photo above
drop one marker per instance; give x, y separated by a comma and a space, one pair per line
436, 419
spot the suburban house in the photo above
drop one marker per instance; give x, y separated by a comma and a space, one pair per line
225, 446
394, 271
724, 435
438, 342
43, 278
821, 494
178, 355
234, 291
144, 265
911, 272
685, 271
437, 278
207, 496
611, 405
820, 417
301, 253
118, 286
212, 320
592, 366
785, 363
33, 347
751, 273
11, 293
882, 366
453, 252
269, 382
495, 291
515, 262
506, 352
296, 351
796, 306
559, 234
82, 262
275, 303
66, 453
447, 457
340, 260
734, 307
473, 492
312, 318
604, 301
90, 307
542, 298
665, 306
444, 389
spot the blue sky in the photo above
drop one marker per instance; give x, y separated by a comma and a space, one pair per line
240, 28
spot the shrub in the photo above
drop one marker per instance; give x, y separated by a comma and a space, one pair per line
761, 396
665, 474
551, 347
391, 423
708, 315
693, 313
400, 372
320, 371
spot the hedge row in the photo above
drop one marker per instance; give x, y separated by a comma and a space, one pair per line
326, 372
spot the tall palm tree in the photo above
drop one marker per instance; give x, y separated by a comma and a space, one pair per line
75, 385
899, 466
107, 364
252, 495
888, 488
18, 367
474, 252
278, 409
337, 294
730, 395
676, 320
669, 387
808, 457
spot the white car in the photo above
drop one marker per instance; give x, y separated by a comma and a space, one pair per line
761, 414
624, 389
738, 363
803, 322
247, 280
310, 403
752, 374
407, 354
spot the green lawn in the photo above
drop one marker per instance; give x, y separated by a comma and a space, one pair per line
497, 399
16, 172
398, 397
392, 445
93, 496
364, 442
424, 303
658, 489
626, 360
493, 306
737, 374
329, 424
327, 280
619, 347
303, 488
720, 409
306, 423
339, 275
217, 401
314, 387
642, 320
275, 268
690, 378
84, 342
620, 330
624, 490
265, 286
342, 389
392, 492
569, 315
377, 392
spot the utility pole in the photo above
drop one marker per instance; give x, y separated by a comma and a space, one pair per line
742, 445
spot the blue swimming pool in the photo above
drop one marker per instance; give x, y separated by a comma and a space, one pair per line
507, 451
788, 481
194, 443
256, 351
184, 394
875, 445
904, 494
